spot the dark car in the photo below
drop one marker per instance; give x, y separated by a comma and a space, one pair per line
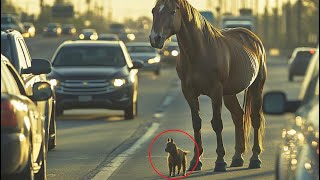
15, 49
69, 29
23, 150
144, 52
9, 21
95, 74
109, 37
170, 52
52, 29
298, 154
299, 61
88, 34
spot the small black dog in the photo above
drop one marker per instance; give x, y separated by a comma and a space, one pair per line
176, 158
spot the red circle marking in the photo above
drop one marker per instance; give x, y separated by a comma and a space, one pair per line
154, 140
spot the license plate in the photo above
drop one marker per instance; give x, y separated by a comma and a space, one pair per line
84, 98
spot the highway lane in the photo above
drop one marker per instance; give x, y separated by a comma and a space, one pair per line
85, 138
88, 140
177, 116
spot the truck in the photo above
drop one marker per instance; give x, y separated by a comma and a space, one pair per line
245, 21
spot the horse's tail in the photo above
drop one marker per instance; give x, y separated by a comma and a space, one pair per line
247, 118
252, 97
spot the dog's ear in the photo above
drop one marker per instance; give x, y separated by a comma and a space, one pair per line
168, 140
171, 140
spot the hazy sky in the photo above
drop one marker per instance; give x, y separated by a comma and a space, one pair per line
123, 8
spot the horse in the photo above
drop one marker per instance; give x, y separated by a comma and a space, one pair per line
219, 64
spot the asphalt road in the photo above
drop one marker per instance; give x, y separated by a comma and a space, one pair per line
99, 143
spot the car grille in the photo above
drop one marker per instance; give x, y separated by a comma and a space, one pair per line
84, 87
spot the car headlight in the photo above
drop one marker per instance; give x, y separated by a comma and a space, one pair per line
154, 60
166, 53
53, 82
174, 53
81, 36
118, 82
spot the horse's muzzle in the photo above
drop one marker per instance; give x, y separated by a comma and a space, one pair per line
156, 42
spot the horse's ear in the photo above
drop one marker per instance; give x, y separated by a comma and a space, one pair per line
168, 140
171, 140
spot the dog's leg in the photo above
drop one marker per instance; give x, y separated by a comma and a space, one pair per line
184, 165
174, 170
179, 168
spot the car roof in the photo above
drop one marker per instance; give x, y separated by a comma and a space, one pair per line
90, 43
303, 49
138, 44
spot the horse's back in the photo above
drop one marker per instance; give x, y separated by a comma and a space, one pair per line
246, 54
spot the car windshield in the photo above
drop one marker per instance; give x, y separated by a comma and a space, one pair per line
5, 48
89, 56
141, 49
7, 20
53, 25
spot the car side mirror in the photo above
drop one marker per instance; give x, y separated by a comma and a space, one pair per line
137, 64
275, 102
38, 66
41, 91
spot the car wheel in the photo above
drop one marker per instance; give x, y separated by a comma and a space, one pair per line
42, 173
52, 140
131, 111
157, 72
59, 112
290, 77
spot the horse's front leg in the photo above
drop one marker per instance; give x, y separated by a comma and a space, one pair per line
193, 102
217, 126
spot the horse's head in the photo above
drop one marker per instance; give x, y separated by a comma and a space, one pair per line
166, 22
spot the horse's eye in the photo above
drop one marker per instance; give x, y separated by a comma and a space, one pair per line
173, 12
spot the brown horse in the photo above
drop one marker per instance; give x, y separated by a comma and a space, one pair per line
219, 64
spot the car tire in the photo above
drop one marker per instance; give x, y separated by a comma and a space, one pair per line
59, 112
52, 140
42, 173
290, 78
157, 72
131, 111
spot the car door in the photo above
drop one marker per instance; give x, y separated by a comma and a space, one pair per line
15, 86
29, 79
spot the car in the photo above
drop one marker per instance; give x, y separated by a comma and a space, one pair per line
30, 29
15, 49
144, 52
69, 29
52, 29
108, 37
88, 34
9, 21
299, 61
298, 153
23, 150
103, 76
170, 52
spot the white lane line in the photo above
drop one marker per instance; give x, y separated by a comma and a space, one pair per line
110, 168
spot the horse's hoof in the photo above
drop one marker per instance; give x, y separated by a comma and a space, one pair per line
193, 164
237, 163
220, 167
254, 164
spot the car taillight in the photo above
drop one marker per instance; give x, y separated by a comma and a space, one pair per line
8, 116
312, 51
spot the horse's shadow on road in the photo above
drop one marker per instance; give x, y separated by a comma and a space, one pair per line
210, 172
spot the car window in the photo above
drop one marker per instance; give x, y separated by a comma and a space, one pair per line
303, 56
18, 80
25, 52
142, 49
8, 81
90, 56
21, 56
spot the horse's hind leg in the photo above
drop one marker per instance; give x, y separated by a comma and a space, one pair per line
217, 126
257, 117
232, 104
193, 102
